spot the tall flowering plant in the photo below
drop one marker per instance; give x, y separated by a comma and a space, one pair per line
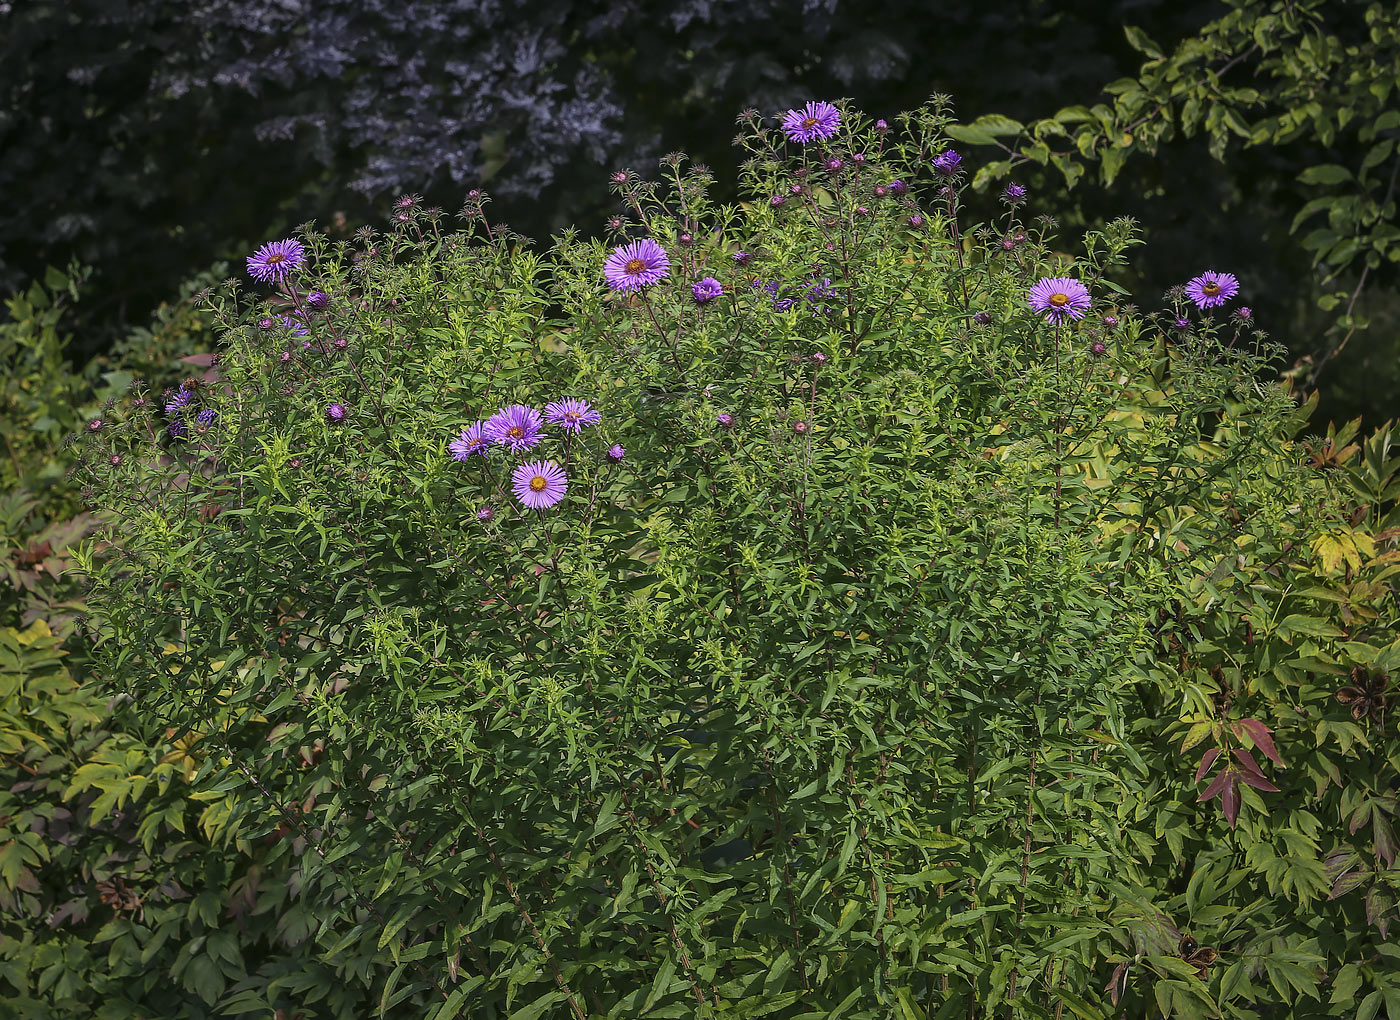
746, 615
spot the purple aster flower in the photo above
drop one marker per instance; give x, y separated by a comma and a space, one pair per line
741, 258
539, 484
636, 265
898, 188
472, 440
881, 128
982, 318
297, 328
335, 414
318, 299
725, 419
207, 416
1182, 323
916, 221
181, 399
1014, 194
274, 261
707, 290
862, 210
1211, 290
616, 452
1058, 297
858, 158
1244, 313
813, 123
946, 162
516, 427
776, 200
571, 413
176, 429
485, 513
1098, 350
834, 163
1110, 321
266, 323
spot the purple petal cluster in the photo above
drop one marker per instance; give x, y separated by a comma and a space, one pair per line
636, 265
472, 440
179, 401
1211, 290
572, 414
276, 260
539, 484
1059, 297
813, 123
516, 427
946, 162
706, 290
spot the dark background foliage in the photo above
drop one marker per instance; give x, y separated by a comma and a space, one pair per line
149, 138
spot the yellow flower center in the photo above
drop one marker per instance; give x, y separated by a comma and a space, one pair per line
635, 266
278, 257
809, 121
538, 483
1059, 300
516, 432
1211, 289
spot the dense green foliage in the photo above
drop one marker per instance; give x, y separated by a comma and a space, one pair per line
875, 703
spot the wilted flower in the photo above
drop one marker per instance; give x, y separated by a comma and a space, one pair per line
335, 413
472, 440
1182, 323
1210, 289
862, 210
266, 323
724, 419
801, 427
516, 427
485, 513
881, 191
1244, 313
814, 122
207, 416
916, 221
572, 414
706, 290
982, 318
636, 265
1014, 194
1110, 321
1366, 694
539, 484
616, 452
834, 163
741, 258
1058, 297
898, 188
1098, 350
274, 261
776, 200
318, 299
858, 158
95, 425
819, 358
881, 128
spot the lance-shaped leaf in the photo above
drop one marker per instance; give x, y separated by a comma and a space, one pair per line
1262, 738
1207, 760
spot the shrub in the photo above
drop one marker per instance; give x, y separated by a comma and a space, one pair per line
832, 685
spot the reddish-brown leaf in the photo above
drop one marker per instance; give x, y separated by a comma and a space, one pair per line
1247, 761
1360, 816
1348, 882
1207, 760
1385, 841
1263, 739
1257, 781
1117, 983
1216, 785
1230, 799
